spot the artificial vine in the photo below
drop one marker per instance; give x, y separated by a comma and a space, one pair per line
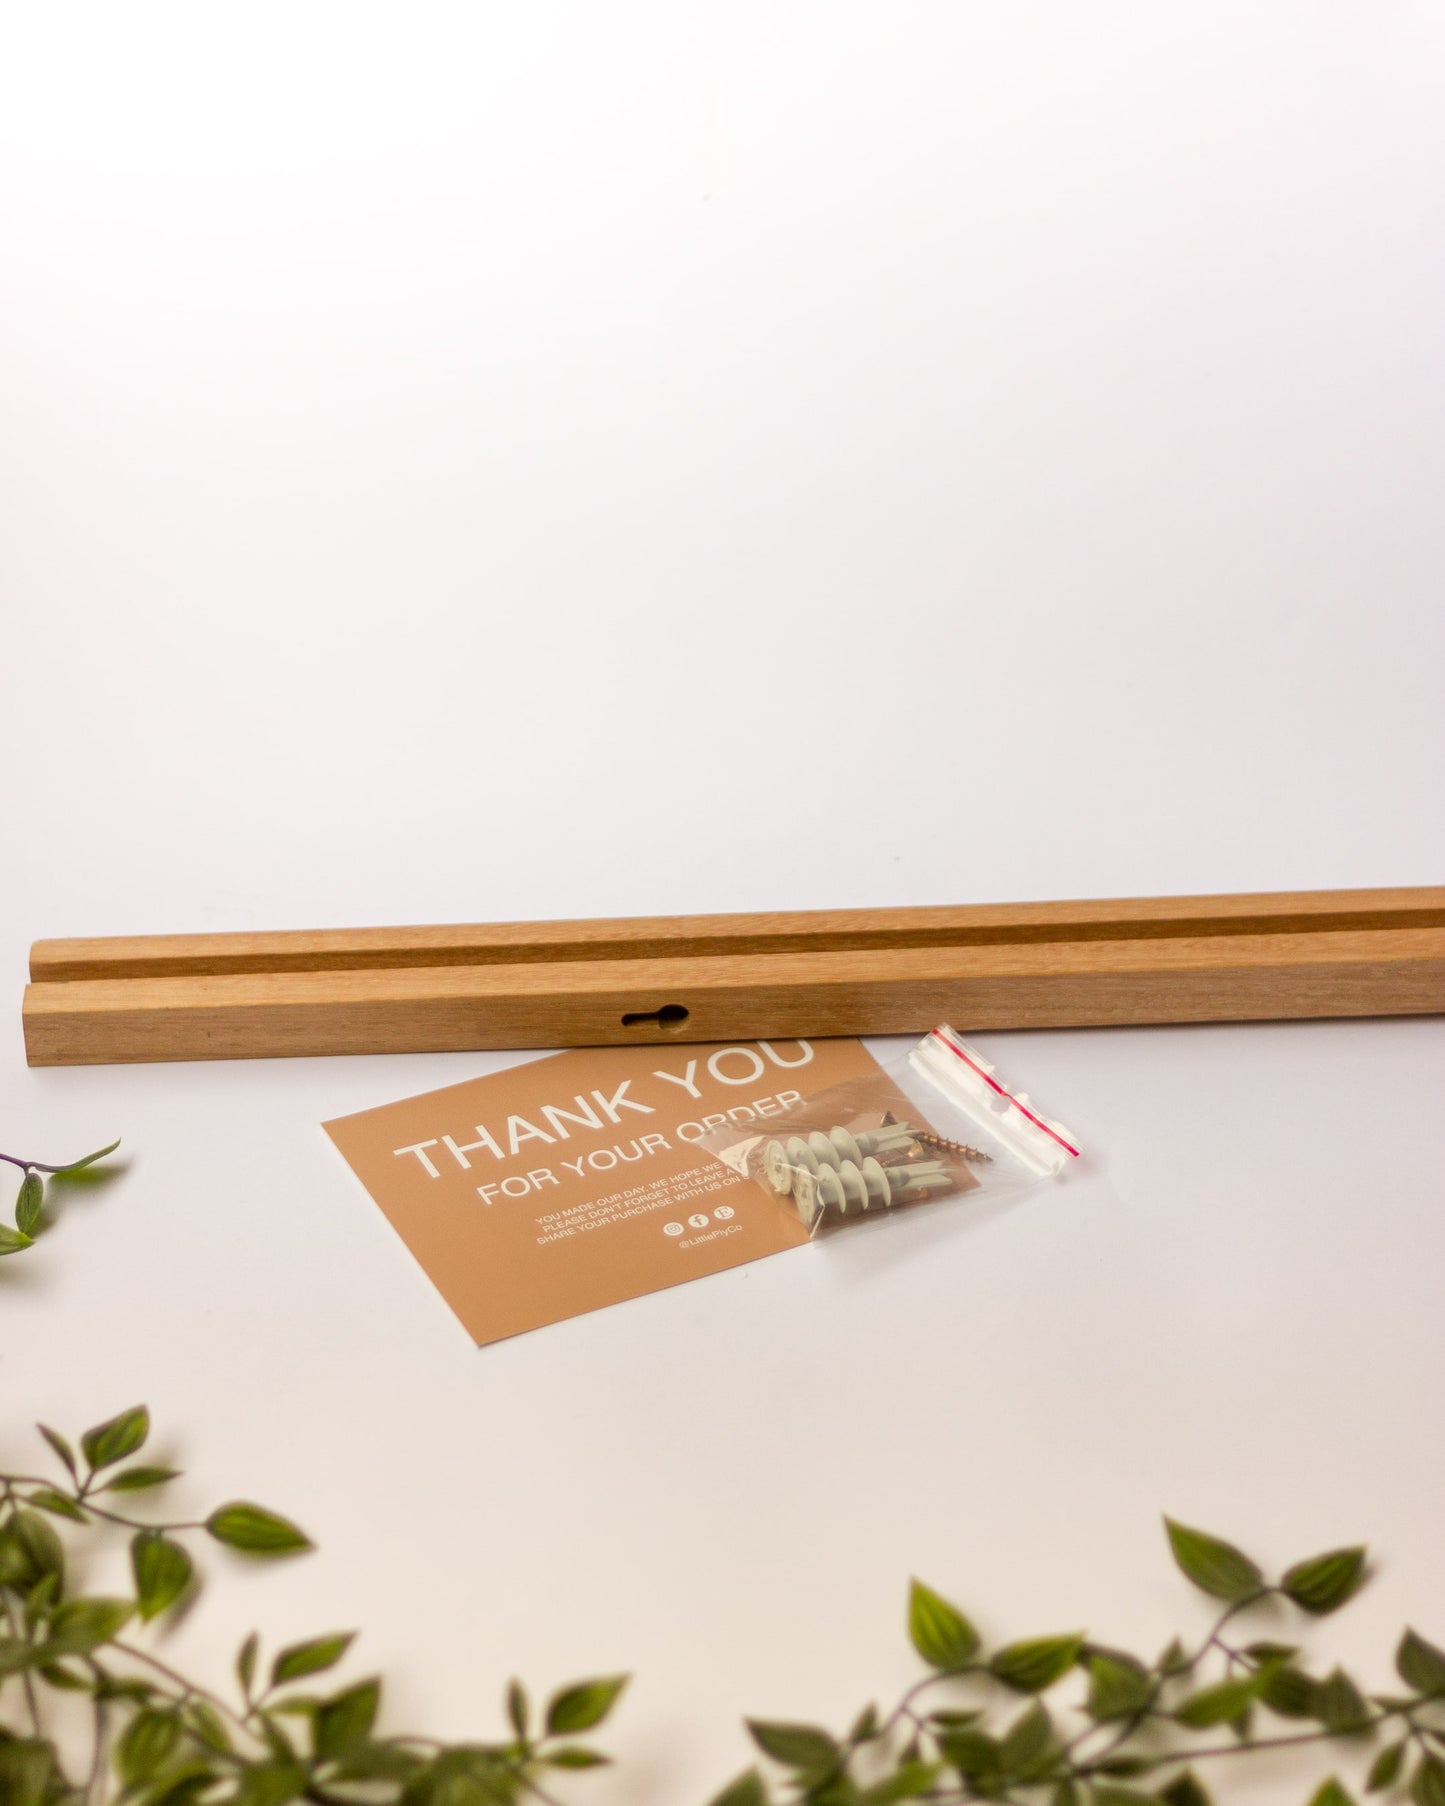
1138, 1731
30, 1200
157, 1738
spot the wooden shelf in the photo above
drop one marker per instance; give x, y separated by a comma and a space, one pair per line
705, 978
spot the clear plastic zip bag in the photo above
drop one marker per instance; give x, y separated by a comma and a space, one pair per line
935, 1123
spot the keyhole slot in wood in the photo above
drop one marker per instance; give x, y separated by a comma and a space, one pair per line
670, 1017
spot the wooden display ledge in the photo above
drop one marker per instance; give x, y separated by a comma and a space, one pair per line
736, 977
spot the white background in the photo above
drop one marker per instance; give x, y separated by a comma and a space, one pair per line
467, 463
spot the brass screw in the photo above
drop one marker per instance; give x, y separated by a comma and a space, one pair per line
961, 1148
929, 1139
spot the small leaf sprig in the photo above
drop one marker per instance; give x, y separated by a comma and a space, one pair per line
160, 1739
30, 1200
1147, 1724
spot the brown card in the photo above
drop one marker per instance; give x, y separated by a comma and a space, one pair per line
575, 1181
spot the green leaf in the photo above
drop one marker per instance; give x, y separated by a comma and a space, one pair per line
347, 1718
246, 1663
312, 1657
441, 1785
1324, 1582
90, 1159
1219, 1704
1036, 1663
12, 1240
40, 1601
138, 1479
259, 1532
1421, 1665
61, 1447
1290, 1692
1428, 1786
162, 1570
29, 1550
48, 1499
1119, 1686
465, 1775
1339, 1706
911, 1780
80, 1625
28, 1203
149, 1742
1331, 1793
939, 1631
29, 1772
802, 1747
283, 1751
135, 1693
205, 1722
1126, 1766
1027, 1743
574, 1755
271, 1784
1065, 1794
747, 1790
1216, 1566
976, 1755
583, 1705
299, 1705
189, 1781
1385, 1770
1173, 1660
865, 1726
519, 1709
16, 1654
1123, 1796
379, 1762
58, 1675
43, 1548
117, 1437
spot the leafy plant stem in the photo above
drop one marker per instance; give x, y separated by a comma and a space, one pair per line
29, 1166
97, 1759
32, 1704
1213, 1640
184, 1689
904, 1708
39, 1166
1265, 1743
160, 1739
82, 1496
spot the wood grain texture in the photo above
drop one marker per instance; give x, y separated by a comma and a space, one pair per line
1188, 959
652, 937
